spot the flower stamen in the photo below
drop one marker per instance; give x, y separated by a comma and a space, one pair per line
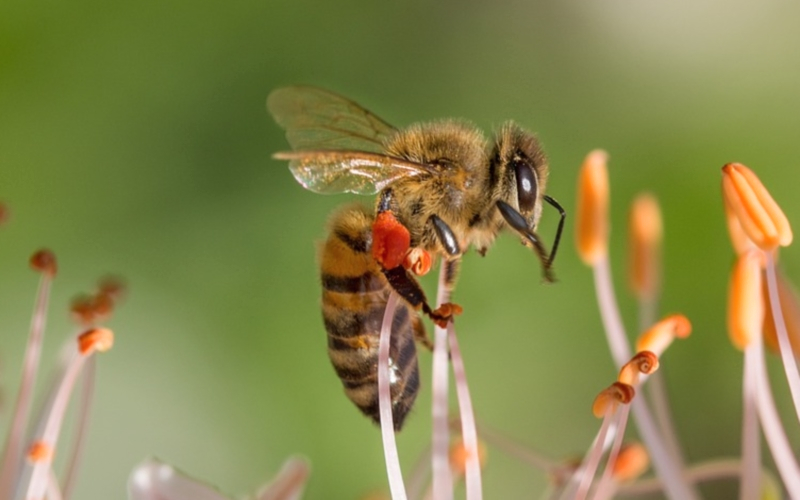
592, 214
759, 215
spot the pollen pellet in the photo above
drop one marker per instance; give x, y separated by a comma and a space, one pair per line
592, 219
390, 240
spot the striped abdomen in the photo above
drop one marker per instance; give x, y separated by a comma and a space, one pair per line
354, 296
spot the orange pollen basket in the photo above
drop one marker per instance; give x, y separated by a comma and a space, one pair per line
390, 240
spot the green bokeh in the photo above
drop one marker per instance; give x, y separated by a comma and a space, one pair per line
134, 140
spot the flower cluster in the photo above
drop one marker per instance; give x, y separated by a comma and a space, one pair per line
26, 470
762, 308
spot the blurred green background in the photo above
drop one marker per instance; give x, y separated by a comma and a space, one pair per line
134, 140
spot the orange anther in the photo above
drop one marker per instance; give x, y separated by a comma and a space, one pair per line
745, 300
760, 217
610, 397
390, 240
644, 362
418, 261
645, 233
459, 454
631, 462
661, 335
112, 287
4, 213
592, 219
44, 261
739, 239
40, 451
96, 339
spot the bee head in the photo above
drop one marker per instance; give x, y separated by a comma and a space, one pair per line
518, 169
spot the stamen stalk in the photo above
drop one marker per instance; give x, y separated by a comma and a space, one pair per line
385, 404
774, 433
667, 467
468, 432
605, 486
16, 433
440, 443
751, 452
787, 354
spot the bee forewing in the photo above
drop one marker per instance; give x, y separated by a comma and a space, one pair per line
331, 172
318, 119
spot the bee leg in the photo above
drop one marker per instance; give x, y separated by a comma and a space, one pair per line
451, 272
520, 225
420, 334
408, 288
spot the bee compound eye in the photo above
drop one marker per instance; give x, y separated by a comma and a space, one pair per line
527, 186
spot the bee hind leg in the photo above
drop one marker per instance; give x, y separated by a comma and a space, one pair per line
408, 288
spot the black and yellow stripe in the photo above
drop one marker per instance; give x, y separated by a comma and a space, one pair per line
354, 296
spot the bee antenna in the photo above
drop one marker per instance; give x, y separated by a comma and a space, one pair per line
560, 229
520, 225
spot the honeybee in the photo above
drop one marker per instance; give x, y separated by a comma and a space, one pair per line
442, 188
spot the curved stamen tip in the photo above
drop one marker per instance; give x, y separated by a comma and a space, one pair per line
610, 397
644, 362
460, 454
645, 234
632, 462
96, 339
745, 300
661, 335
761, 219
592, 215
40, 451
44, 261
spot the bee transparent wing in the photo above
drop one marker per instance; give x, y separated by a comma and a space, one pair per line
359, 172
317, 119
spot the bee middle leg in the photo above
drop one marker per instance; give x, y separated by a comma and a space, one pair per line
407, 287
